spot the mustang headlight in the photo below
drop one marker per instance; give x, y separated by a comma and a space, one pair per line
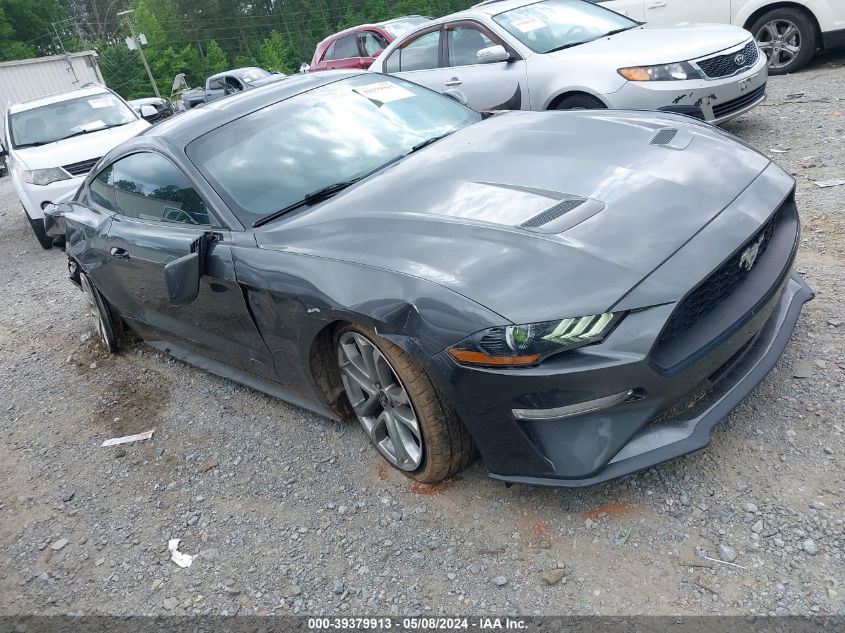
44, 176
512, 345
664, 72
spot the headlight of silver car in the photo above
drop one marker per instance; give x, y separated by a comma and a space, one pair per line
44, 176
664, 72
520, 345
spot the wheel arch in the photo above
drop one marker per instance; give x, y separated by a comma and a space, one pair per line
556, 99
771, 6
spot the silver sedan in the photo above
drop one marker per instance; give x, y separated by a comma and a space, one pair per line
566, 54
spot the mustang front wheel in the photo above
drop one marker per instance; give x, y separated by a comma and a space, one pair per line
400, 409
100, 314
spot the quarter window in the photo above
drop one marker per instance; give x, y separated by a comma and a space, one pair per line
147, 186
372, 42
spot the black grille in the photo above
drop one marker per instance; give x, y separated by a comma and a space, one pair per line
664, 136
81, 168
552, 213
739, 103
718, 286
726, 65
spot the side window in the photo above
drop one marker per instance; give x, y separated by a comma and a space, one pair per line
464, 44
329, 54
149, 187
102, 190
371, 42
421, 53
345, 47
215, 84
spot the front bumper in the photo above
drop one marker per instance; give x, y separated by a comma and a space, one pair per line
35, 197
718, 100
676, 392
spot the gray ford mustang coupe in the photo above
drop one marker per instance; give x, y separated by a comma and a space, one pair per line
573, 295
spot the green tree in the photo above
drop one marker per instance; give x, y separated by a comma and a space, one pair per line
215, 58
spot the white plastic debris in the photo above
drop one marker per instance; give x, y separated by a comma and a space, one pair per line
128, 439
824, 184
183, 560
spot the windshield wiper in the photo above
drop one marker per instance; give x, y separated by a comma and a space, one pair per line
35, 144
315, 196
99, 129
428, 142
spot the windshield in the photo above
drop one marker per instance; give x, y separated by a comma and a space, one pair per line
250, 75
553, 25
275, 157
50, 123
401, 26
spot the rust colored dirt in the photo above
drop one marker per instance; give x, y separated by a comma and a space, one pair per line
620, 508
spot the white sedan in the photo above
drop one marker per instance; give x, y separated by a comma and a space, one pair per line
565, 54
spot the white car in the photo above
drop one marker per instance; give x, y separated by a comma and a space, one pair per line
564, 54
53, 142
789, 32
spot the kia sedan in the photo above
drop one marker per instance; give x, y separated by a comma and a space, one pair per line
572, 54
573, 295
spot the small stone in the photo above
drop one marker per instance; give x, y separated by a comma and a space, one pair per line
295, 590
68, 497
820, 364
342, 509
156, 584
170, 603
749, 507
828, 450
209, 465
817, 505
757, 527
500, 581
685, 500
93, 366
99, 562
834, 322
337, 587
832, 593
727, 553
802, 369
553, 577
451, 575
59, 544
810, 547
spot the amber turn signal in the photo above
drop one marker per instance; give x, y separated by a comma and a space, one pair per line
480, 358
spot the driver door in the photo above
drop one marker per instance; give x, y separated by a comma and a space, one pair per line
491, 86
159, 217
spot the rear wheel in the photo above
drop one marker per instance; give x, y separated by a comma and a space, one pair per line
579, 102
38, 228
788, 37
399, 408
100, 314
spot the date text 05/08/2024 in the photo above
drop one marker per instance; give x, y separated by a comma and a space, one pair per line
416, 624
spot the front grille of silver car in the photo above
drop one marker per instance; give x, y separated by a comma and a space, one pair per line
718, 286
729, 107
729, 64
81, 168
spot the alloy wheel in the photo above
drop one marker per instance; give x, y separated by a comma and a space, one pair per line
95, 308
380, 401
781, 41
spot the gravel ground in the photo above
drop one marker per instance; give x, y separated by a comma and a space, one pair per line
292, 513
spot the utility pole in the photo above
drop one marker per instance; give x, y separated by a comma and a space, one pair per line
65, 53
140, 50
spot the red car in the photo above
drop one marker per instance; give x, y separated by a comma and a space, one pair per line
358, 46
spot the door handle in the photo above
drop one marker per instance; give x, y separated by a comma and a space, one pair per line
119, 253
657, 5
454, 81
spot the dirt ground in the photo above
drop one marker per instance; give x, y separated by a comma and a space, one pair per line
291, 513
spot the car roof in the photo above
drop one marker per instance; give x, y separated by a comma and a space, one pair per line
95, 89
369, 25
494, 7
190, 125
235, 71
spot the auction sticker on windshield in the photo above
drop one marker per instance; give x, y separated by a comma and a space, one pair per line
384, 92
526, 25
103, 102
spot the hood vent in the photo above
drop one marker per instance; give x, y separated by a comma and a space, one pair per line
664, 136
552, 213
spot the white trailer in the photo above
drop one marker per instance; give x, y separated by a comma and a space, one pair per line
24, 79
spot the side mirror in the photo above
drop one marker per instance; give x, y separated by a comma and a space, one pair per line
378, 52
458, 96
183, 279
305, 68
148, 111
493, 55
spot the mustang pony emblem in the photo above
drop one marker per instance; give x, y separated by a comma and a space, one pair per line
749, 255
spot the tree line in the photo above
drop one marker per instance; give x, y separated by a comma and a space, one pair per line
195, 37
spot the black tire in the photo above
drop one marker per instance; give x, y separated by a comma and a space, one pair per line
579, 102
38, 228
807, 37
105, 322
447, 445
